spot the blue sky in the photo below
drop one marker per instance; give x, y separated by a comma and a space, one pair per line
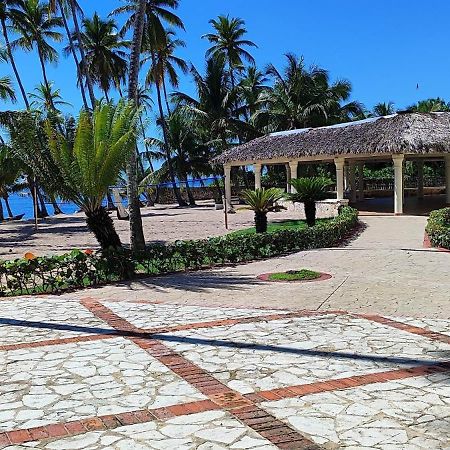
384, 47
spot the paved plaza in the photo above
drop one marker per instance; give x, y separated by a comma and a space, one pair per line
220, 360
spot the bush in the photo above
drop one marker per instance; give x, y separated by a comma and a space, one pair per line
438, 228
81, 269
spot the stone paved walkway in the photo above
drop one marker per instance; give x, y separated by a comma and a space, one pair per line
96, 374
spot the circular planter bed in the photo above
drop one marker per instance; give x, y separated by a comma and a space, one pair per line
294, 276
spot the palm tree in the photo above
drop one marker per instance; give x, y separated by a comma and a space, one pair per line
105, 58
304, 97
44, 98
383, 109
215, 104
137, 239
91, 160
10, 169
188, 154
64, 8
262, 201
429, 105
4, 20
164, 64
309, 191
156, 14
228, 42
32, 20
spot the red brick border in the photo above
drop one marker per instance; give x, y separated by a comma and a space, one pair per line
277, 432
338, 384
220, 397
427, 244
101, 423
433, 335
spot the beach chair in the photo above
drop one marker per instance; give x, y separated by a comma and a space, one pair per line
122, 213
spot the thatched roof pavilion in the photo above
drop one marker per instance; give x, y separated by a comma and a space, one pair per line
415, 136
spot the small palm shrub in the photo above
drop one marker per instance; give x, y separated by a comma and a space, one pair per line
92, 158
309, 191
262, 201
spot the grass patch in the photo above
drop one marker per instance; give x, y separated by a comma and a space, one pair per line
295, 275
277, 226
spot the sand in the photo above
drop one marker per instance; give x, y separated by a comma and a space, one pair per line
162, 223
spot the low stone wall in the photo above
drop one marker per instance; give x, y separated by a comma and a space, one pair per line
167, 197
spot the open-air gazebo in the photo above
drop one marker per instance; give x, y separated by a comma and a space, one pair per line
418, 137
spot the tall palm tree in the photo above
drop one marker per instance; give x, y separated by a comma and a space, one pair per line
91, 159
43, 99
383, 109
34, 23
303, 97
5, 5
63, 7
228, 42
137, 239
105, 56
215, 104
156, 14
164, 64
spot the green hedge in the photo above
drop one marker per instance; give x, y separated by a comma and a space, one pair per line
80, 269
438, 228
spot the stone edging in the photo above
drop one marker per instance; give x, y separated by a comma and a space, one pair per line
265, 277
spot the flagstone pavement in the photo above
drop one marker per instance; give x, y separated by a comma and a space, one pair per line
245, 365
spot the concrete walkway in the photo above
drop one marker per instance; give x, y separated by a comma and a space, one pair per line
385, 270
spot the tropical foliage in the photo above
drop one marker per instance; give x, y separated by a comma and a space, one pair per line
262, 201
81, 269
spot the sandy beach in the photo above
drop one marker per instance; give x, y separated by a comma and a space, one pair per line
162, 223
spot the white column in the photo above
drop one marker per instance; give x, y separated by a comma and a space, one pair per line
293, 165
352, 181
420, 179
360, 181
398, 183
447, 178
288, 178
346, 178
339, 163
227, 171
257, 170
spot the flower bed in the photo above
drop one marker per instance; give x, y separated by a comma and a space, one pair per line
81, 269
438, 228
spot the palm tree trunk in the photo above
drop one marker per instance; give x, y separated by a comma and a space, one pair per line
189, 193
146, 145
310, 213
44, 74
56, 209
137, 239
13, 64
8, 206
43, 208
260, 222
106, 95
82, 53
101, 224
165, 96
2, 215
75, 58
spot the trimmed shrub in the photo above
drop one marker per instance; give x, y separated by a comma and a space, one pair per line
438, 228
79, 269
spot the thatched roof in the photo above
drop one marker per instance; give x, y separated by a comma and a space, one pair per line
408, 133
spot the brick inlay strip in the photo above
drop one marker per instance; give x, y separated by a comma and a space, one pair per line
338, 384
60, 341
102, 423
434, 335
278, 433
